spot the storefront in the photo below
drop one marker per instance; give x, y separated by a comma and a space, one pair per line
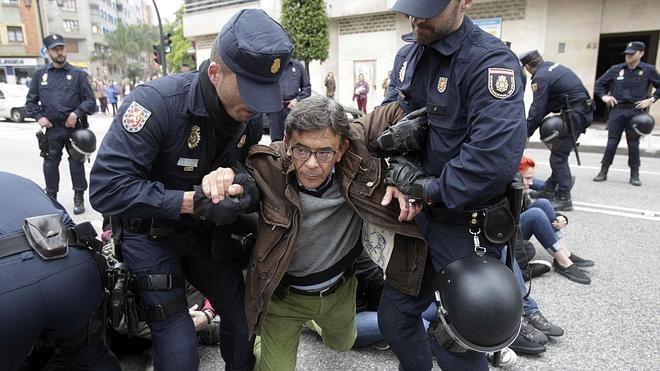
15, 70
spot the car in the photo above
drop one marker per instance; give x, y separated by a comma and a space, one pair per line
12, 101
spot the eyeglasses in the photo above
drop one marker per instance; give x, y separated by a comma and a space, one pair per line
322, 155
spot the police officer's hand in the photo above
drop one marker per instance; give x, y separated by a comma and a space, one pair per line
642, 104
409, 208
292, 103
71, 120
408, 135
227, 210
216, 184
44, 122
609, 100
408, 178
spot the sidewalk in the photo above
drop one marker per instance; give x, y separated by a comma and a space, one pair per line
595, 140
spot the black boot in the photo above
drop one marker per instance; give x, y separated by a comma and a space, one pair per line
602, 176
634, 176
52, 195
78, 202
548, 192
563, 201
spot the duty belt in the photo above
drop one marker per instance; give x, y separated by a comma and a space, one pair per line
16, 243
471, 218
625, 105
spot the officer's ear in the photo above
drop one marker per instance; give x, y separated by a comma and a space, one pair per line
214, 72
466, 5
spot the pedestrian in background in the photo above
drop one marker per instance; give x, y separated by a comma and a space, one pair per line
386, 83
60, 99
330, 86
360, 93
625, 88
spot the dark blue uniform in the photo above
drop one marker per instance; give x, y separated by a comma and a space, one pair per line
161, 143
55, 298
627, 86
550, 84
294, 84
54, 94
471, 85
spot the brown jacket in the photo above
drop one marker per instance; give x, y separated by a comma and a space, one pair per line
360, 178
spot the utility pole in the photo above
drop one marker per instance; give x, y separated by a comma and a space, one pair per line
163, 57
41, 26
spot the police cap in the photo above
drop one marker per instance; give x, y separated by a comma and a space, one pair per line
526, 58
420, 8
634, 46
256, 48
53, 40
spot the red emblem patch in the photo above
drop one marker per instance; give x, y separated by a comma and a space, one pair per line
135, 117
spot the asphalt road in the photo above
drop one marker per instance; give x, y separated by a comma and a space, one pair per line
614, 323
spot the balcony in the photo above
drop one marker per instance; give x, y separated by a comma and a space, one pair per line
192, 6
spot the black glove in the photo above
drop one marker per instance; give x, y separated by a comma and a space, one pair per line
408, 135
408, 178
227, 210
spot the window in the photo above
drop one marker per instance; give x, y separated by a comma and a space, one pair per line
15, 34
71, 25
69, 5
71, 46
95, 28
10, 2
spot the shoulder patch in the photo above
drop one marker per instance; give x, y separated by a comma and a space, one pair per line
535, 87
501, 82
135, 117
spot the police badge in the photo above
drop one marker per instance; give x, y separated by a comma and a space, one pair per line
501, 82
275, 67
442, 84
194, 137
135, 117
402, 71
241, 142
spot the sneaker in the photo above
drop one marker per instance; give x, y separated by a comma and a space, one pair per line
381, 345
581, 263
573, 273
506, 358
536, 268
529, 340
537, 320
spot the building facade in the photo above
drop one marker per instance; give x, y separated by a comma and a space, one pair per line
587, 36
19, 41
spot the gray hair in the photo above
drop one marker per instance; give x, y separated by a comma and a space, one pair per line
317, 113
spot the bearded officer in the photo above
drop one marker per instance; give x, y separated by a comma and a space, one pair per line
470, 84
171, 135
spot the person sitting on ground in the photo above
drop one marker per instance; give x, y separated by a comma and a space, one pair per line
540, 220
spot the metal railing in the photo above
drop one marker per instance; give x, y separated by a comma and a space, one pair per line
192, 6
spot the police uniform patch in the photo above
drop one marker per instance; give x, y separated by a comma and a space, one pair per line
135, 117
501, 82
402, 71
241, 142
442, 84
194, 137
535, 87
641, 72
68, 77
275, 67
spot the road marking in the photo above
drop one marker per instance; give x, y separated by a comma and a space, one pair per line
624, 170
626, 212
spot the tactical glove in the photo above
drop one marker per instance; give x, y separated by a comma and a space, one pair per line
408, 178
408, 135
227, 210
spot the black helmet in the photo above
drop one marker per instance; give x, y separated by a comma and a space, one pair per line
552, 130
83, 143
642, 124
479, 303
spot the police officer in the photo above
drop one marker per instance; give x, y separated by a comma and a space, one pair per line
625, 89
57, 297
470, 84
552, 84
60, 98
171, 135
295, 86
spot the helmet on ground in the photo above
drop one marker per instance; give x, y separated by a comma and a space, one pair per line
552, 131
83, 144
479, 303
642, 124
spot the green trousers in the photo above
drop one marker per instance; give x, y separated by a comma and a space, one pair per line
333, 316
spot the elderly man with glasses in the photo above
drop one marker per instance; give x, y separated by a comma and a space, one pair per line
323, 197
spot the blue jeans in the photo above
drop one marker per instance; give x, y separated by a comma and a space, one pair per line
369, 333
529, 305
537, 221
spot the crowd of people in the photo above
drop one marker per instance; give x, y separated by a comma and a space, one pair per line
351, 229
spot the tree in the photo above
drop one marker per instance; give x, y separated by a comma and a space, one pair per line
307, 23
180, 45
129, 43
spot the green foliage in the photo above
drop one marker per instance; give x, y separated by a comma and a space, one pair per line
180, 45
307, 23
127, 43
